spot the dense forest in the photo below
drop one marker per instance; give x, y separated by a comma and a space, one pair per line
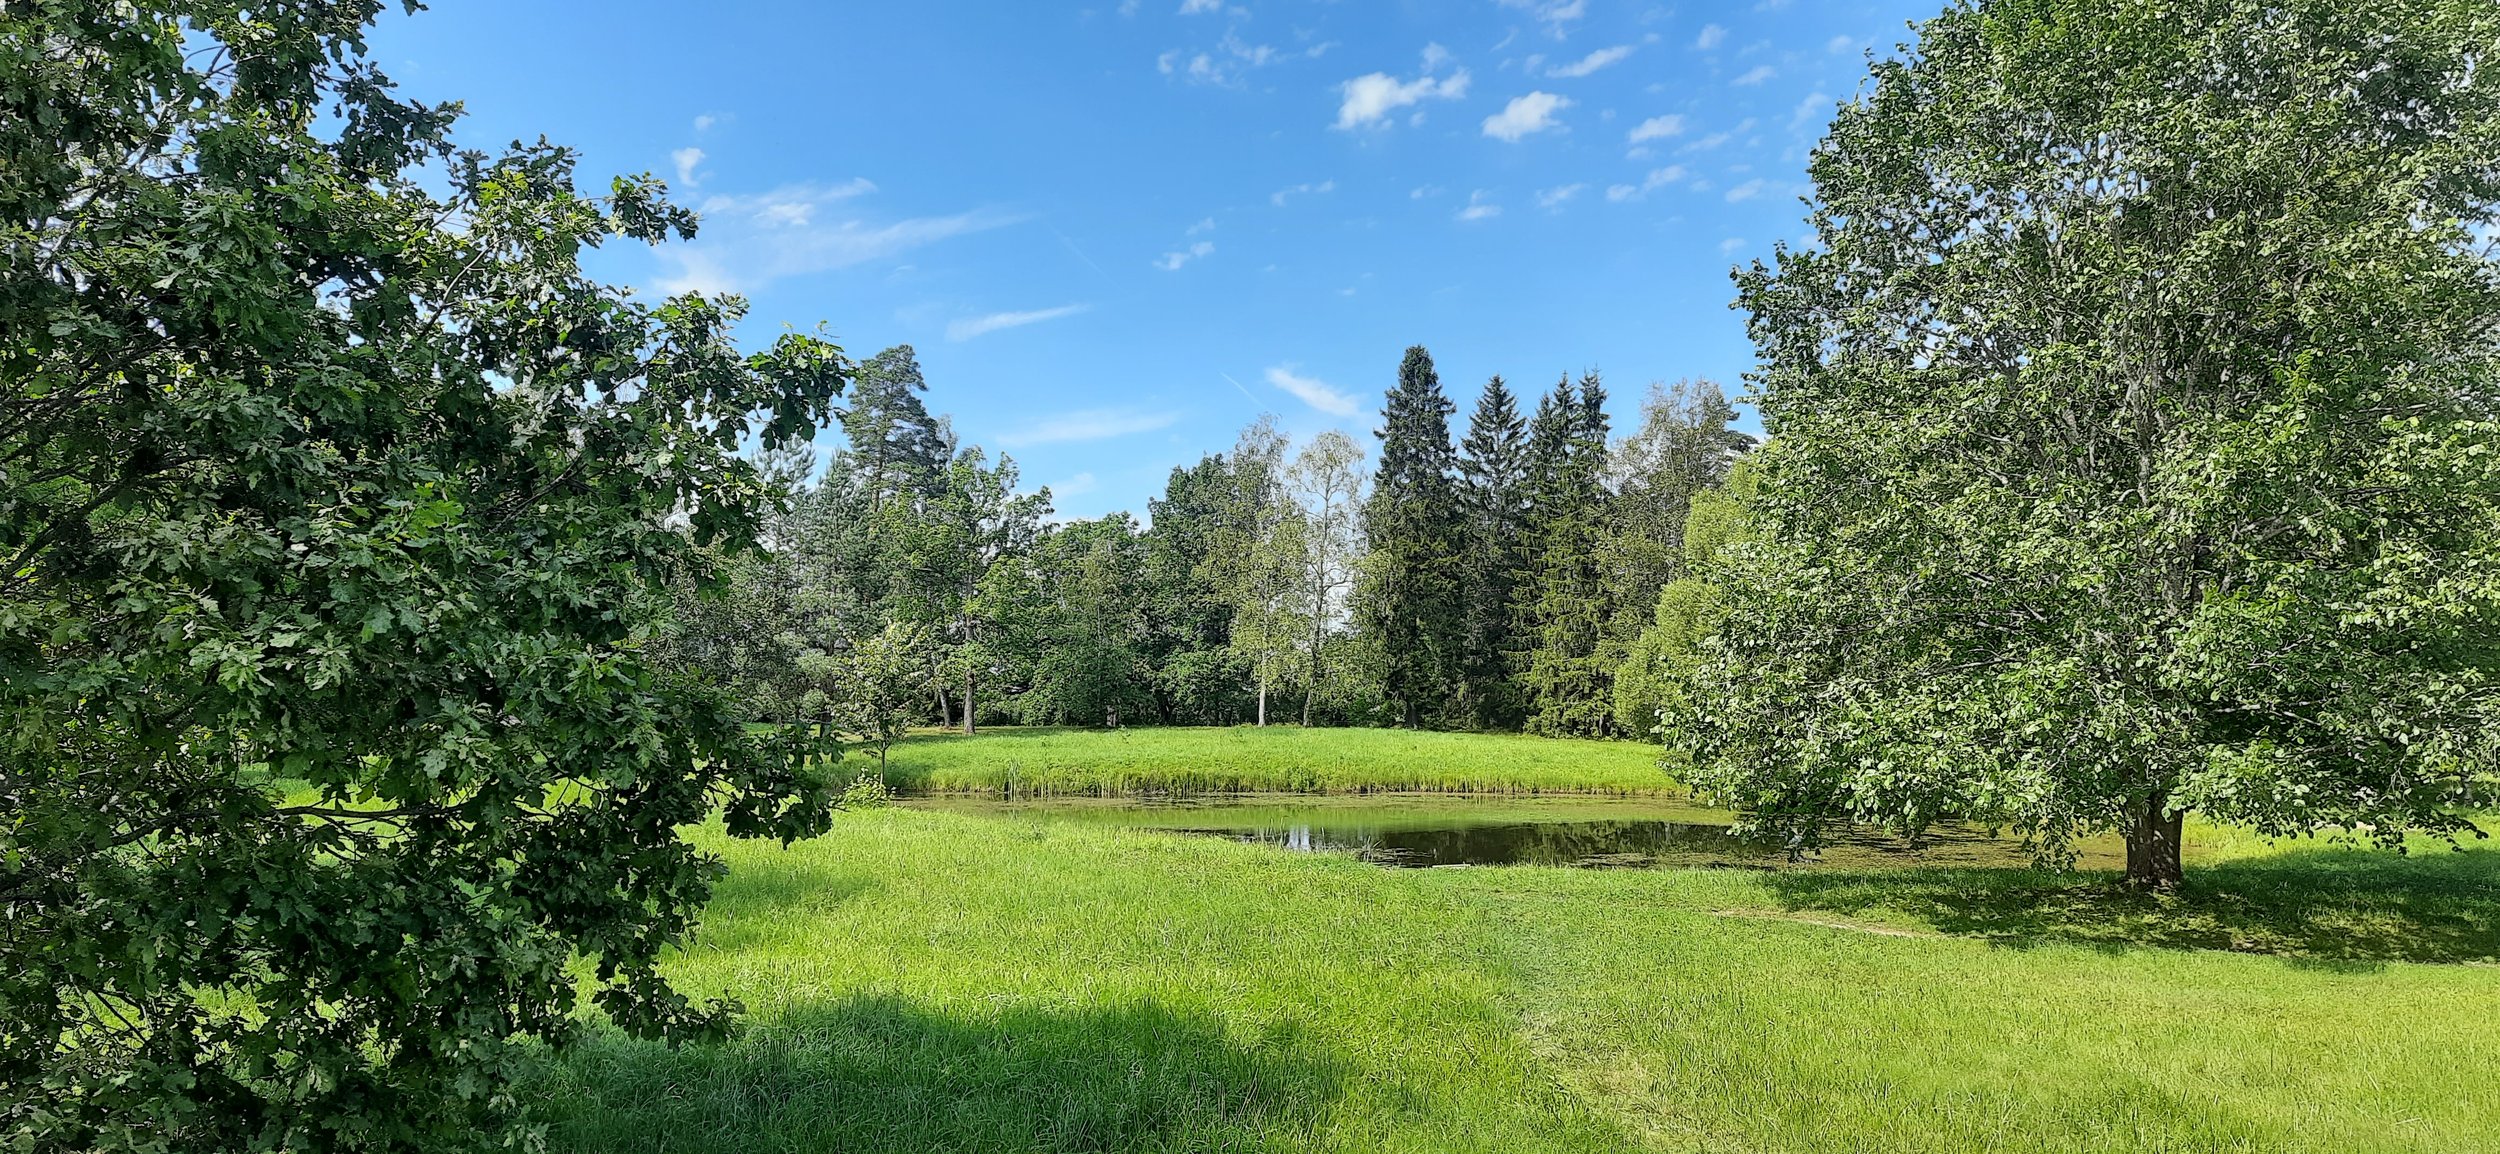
1521, 577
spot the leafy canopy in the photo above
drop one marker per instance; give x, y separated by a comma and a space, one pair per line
2134, 448
335, 508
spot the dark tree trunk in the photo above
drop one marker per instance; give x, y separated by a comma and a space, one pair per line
2153, 844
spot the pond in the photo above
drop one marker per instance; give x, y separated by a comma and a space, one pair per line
1424, 830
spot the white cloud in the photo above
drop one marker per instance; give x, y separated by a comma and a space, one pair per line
1280, 196
1172, 261
1207, 225
1744, 192
1815, 104
1716, 139
1224, 65
1760, 73
1525, 114
705, 122
1314, 392
686, 159
1730, 246
1711, 36
1656, 128
1554, 197
1086, 425
1658, 178
970, 327
1370, 99
751, 241
1200, 7
1592, 62
1839, 44
1424, 191
1478, 208
1554, 13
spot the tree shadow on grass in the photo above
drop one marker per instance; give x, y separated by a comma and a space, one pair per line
2342, 908
882, 1073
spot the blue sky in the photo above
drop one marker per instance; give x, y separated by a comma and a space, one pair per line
1118, 231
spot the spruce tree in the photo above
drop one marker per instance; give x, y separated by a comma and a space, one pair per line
1569, 683
1410, 603
1492, 489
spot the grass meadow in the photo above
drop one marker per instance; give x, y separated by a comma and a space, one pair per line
931, 981
1044, 762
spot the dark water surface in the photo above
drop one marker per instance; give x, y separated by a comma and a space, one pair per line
1414, 831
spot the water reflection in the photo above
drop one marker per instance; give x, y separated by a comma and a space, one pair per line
1416, 831
1596, 844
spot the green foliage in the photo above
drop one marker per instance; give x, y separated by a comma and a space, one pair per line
1568, 674
1493, 494
879, 683
1650, 683
2134, 441
298, 481
1408, 603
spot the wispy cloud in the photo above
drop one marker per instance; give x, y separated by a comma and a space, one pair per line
1746, 191
1555, 14
1172, 261
1525, 115
970, 327
1280, 196
1314, 392
751, 241
1591, 62
1815, 104
1555, 197
1369, 100
686, 159
1658, 178
1760, 73
1656, 128
1711, 37
1839, 44
1716, 139
1478, 207
1731, 246
1086, 425
1200, 7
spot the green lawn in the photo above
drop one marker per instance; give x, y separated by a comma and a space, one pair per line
926, 981
1286, 758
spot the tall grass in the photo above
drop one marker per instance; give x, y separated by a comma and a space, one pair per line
1045, 762
926, 981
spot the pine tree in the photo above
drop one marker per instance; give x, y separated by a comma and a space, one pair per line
1410, 603
1492, 490
896, 447
1569, 683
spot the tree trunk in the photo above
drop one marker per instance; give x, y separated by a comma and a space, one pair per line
1262, 693
969, 699
2153, 844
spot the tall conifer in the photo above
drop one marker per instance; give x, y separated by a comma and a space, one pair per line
1568, 682
1410, 603
1492, 475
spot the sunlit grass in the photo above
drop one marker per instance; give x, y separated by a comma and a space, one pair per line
926, 981
1289, 758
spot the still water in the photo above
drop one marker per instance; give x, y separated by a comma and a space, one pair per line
1415, 831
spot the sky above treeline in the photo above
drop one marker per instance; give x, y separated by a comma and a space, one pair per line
1117, 232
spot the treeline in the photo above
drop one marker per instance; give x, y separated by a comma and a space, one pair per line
1507, 580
